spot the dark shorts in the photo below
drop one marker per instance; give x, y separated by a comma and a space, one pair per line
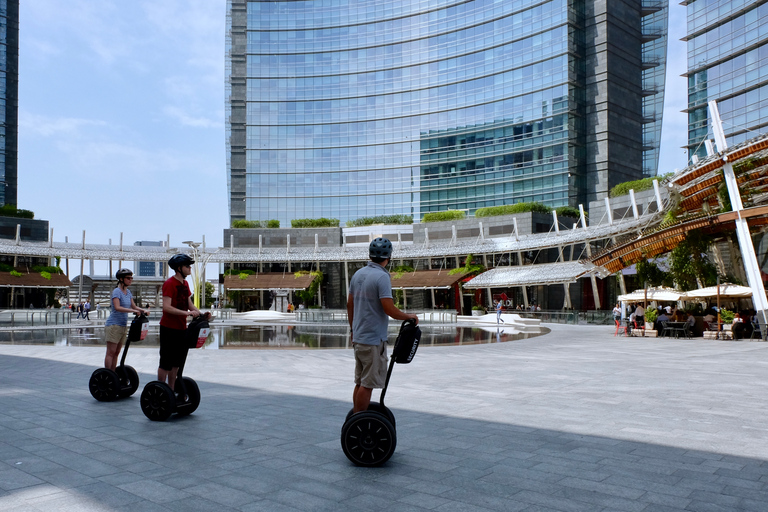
173, 348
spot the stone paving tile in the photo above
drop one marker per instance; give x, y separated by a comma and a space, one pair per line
574, 420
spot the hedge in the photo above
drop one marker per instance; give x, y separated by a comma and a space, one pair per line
493, 211
322, 222
239, 224
569, 211
381, 219
10, 210
644, 184
442, 216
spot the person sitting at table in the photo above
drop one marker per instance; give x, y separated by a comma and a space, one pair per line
738, 327
640, 315
659, 324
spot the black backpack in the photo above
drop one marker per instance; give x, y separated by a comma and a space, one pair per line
407, 342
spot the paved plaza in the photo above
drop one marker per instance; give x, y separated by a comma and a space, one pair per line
576, 420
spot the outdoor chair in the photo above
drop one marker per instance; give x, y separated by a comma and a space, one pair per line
687, 330
664, 329
620, 328
756, 334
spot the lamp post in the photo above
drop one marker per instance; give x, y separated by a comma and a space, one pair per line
198, 275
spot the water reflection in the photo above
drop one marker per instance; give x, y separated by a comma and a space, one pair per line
259, 336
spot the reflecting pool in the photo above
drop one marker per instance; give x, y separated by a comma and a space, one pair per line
303, 336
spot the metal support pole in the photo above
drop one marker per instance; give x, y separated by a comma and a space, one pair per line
82, 266
742, 228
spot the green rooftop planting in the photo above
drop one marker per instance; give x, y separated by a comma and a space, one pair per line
322, 222
380, 219
443, 216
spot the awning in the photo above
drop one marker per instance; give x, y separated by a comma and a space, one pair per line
661, 293
269, 281
34, 280
726, 290
424, 279
531, 275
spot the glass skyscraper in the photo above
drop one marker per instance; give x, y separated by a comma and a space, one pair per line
347, 109
9, 99
727, 62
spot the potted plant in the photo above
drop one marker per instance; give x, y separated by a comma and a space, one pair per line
726, 317
650, 318
478, 310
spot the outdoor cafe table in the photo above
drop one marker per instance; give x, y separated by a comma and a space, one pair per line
677, 328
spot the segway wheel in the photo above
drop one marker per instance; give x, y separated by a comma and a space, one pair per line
187, 404
368, 439
104, 385
129, 380
157, 401
377, 407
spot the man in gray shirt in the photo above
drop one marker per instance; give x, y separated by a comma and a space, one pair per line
369, 306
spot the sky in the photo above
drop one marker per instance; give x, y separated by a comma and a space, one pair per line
121, 117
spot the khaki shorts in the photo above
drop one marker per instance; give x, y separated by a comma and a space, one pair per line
371, 365
116, 333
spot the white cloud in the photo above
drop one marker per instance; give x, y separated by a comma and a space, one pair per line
49, 126
188, 120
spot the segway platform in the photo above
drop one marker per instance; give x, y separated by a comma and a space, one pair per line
107, 385
158, 400
369, 438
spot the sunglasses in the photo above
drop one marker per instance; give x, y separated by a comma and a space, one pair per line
129, 277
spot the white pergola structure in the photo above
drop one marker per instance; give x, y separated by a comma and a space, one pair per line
532, 275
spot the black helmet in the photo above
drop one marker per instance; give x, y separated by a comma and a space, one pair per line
123, 272
380, 248
179, 260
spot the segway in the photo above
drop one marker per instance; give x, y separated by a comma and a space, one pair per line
369, 437
158, 400
107, 385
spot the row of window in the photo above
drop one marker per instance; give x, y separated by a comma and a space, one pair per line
361, 109
730, 37
703, 13
363, 19
408, 75
739, 73
524, 107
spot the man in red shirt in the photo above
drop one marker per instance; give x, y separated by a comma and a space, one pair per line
177, 306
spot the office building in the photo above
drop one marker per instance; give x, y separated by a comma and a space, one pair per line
9, 100
149, 268
348, 109
728, 63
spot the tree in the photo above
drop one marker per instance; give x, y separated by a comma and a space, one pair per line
209, 289
648, 272
689, 264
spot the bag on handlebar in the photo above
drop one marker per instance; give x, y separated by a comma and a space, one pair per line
407, 342
139, 328
197, 332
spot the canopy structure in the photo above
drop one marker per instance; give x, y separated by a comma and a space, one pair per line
726, 290
425, 279
269, 281
33, 280
529, 275
662, 294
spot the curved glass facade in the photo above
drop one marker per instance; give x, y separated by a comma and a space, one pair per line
727, 62
347, 109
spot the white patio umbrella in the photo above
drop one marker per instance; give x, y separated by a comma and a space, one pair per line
726, 290
659, 294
